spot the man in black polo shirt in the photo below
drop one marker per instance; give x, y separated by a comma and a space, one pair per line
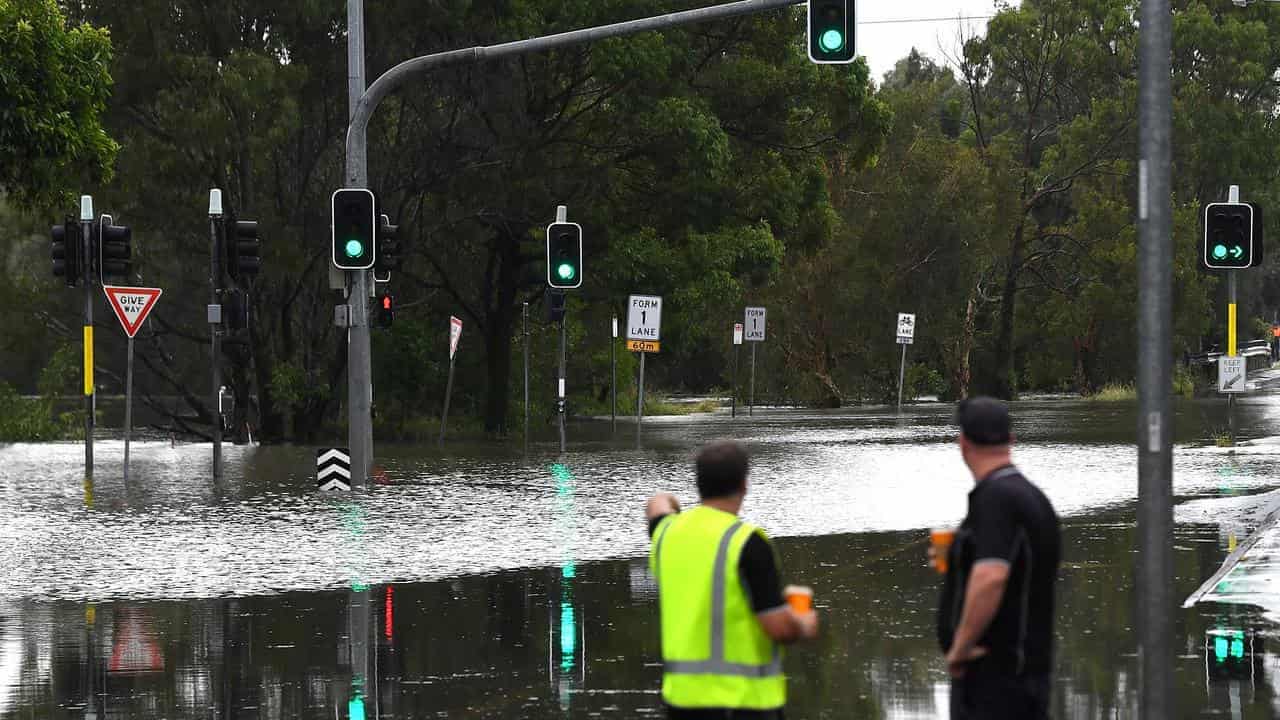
995, 619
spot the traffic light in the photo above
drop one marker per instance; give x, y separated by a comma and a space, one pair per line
1233, 651
386, 310
564, 255
831, 28
1232, 236
388, 255
235, 309
65, 251
355, 228
115, 249
243, 249
555, 302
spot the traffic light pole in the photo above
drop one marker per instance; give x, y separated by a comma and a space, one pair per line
215, 328
364, 101
86, 266
359, 362
1155, 321
524, 336
1233, 349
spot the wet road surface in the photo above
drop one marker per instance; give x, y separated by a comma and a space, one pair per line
485, 583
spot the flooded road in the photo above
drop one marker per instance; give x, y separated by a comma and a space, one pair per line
482, 582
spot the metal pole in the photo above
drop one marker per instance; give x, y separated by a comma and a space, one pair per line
128, 406
359, 362
737, 355
1155, 320
357, 130
640, 398
751, 399
902, 374
1233, 348
86, 250
524, 335
215, 329
448, 392
563, 358
613, 369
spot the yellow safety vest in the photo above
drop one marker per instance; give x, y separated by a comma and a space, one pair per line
714, 652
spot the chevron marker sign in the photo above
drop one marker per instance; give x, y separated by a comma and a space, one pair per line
333, 469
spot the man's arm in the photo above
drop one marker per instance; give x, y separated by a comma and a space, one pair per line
982, 599
760, 573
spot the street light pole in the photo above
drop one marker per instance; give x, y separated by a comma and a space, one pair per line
1155, 321
359, 362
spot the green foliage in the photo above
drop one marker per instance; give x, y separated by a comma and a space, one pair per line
1116, 392
54, 85
34, 419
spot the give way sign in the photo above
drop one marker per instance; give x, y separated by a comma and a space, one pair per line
131, 305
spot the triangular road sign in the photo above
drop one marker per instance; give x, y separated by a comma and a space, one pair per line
131, 305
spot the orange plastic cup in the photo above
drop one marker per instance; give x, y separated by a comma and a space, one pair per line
799, 597
941, 539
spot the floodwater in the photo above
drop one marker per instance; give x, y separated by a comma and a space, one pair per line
481, 582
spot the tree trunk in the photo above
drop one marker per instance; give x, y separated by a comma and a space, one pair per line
1004, 385
964, 346
500, 323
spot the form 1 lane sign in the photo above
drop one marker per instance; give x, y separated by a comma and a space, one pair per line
644, 318
755, 324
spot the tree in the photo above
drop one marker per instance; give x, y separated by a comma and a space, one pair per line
54, 87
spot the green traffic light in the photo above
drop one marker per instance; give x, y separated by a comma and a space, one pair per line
831, 40
354, 248
566, 271
1219, 252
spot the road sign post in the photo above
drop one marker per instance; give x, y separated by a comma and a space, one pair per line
906, 336
644, 335
455, 334
524, 337
737, 354
131, 305
754, 326
613, 375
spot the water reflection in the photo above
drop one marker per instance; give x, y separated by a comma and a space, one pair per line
486, 587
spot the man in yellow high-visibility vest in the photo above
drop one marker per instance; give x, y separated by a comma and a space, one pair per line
720, 598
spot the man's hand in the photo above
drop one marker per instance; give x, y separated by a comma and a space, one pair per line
661, 504
958, 659
808, 623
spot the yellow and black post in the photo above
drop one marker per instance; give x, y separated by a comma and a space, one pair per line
86, 268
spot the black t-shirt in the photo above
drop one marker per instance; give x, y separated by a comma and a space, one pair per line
758, 568
1009, 521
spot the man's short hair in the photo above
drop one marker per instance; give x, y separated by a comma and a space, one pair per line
984, 420
722, 469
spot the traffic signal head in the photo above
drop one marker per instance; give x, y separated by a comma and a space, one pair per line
388, 249
355, 228
831, 26
115, 249
564, 255
1228, 241
65, 252
555, 303
386, 310
244, 249
235, 309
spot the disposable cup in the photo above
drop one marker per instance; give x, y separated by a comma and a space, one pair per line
799, 597
941, 539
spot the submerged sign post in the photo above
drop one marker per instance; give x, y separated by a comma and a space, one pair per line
131, 305
754, 329
737, 353
455, 334
644, 335
906, 336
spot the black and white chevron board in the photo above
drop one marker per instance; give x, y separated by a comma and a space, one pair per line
333, 469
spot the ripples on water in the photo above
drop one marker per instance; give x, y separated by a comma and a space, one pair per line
172, 534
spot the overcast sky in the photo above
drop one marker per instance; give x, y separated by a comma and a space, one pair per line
883, 44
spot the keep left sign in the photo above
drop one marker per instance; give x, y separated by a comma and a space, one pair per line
131, 305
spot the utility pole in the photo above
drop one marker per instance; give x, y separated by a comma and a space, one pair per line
1155, 321
90, 399
215, 322
359, 362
